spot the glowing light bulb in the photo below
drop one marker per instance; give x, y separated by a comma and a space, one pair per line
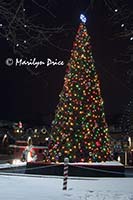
131, 38
122, 25
116, 10
83, 18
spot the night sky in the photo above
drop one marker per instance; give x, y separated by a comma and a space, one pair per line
33, 98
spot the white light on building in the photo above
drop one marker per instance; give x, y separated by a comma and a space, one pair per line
119, 159
130, 141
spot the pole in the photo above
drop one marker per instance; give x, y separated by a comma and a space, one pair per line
66, 161
125, 158
130, 142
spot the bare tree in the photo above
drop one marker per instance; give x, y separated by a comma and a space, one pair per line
21, 30
121, 16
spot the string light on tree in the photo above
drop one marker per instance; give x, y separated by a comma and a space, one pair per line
116, 10
131, 38
122, 25
79, 130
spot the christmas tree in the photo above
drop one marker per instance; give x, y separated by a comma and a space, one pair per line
79, 130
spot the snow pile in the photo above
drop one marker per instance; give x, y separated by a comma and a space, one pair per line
107, 163
50, 188
16, 163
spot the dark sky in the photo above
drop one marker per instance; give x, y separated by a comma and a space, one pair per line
28, 97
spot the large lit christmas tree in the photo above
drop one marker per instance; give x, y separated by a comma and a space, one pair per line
79, 130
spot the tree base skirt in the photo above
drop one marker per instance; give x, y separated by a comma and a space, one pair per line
77, 169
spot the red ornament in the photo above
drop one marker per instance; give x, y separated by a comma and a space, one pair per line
20, 125
98, 144
67, 70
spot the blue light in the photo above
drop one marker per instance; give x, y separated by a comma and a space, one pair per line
83, 18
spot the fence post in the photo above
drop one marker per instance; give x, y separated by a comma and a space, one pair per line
125, 158
66, 161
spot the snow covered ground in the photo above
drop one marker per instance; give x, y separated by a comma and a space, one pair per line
50, 188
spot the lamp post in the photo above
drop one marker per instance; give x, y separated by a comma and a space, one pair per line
129, 142
125, 157
128, 149
130, 159
125, 152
